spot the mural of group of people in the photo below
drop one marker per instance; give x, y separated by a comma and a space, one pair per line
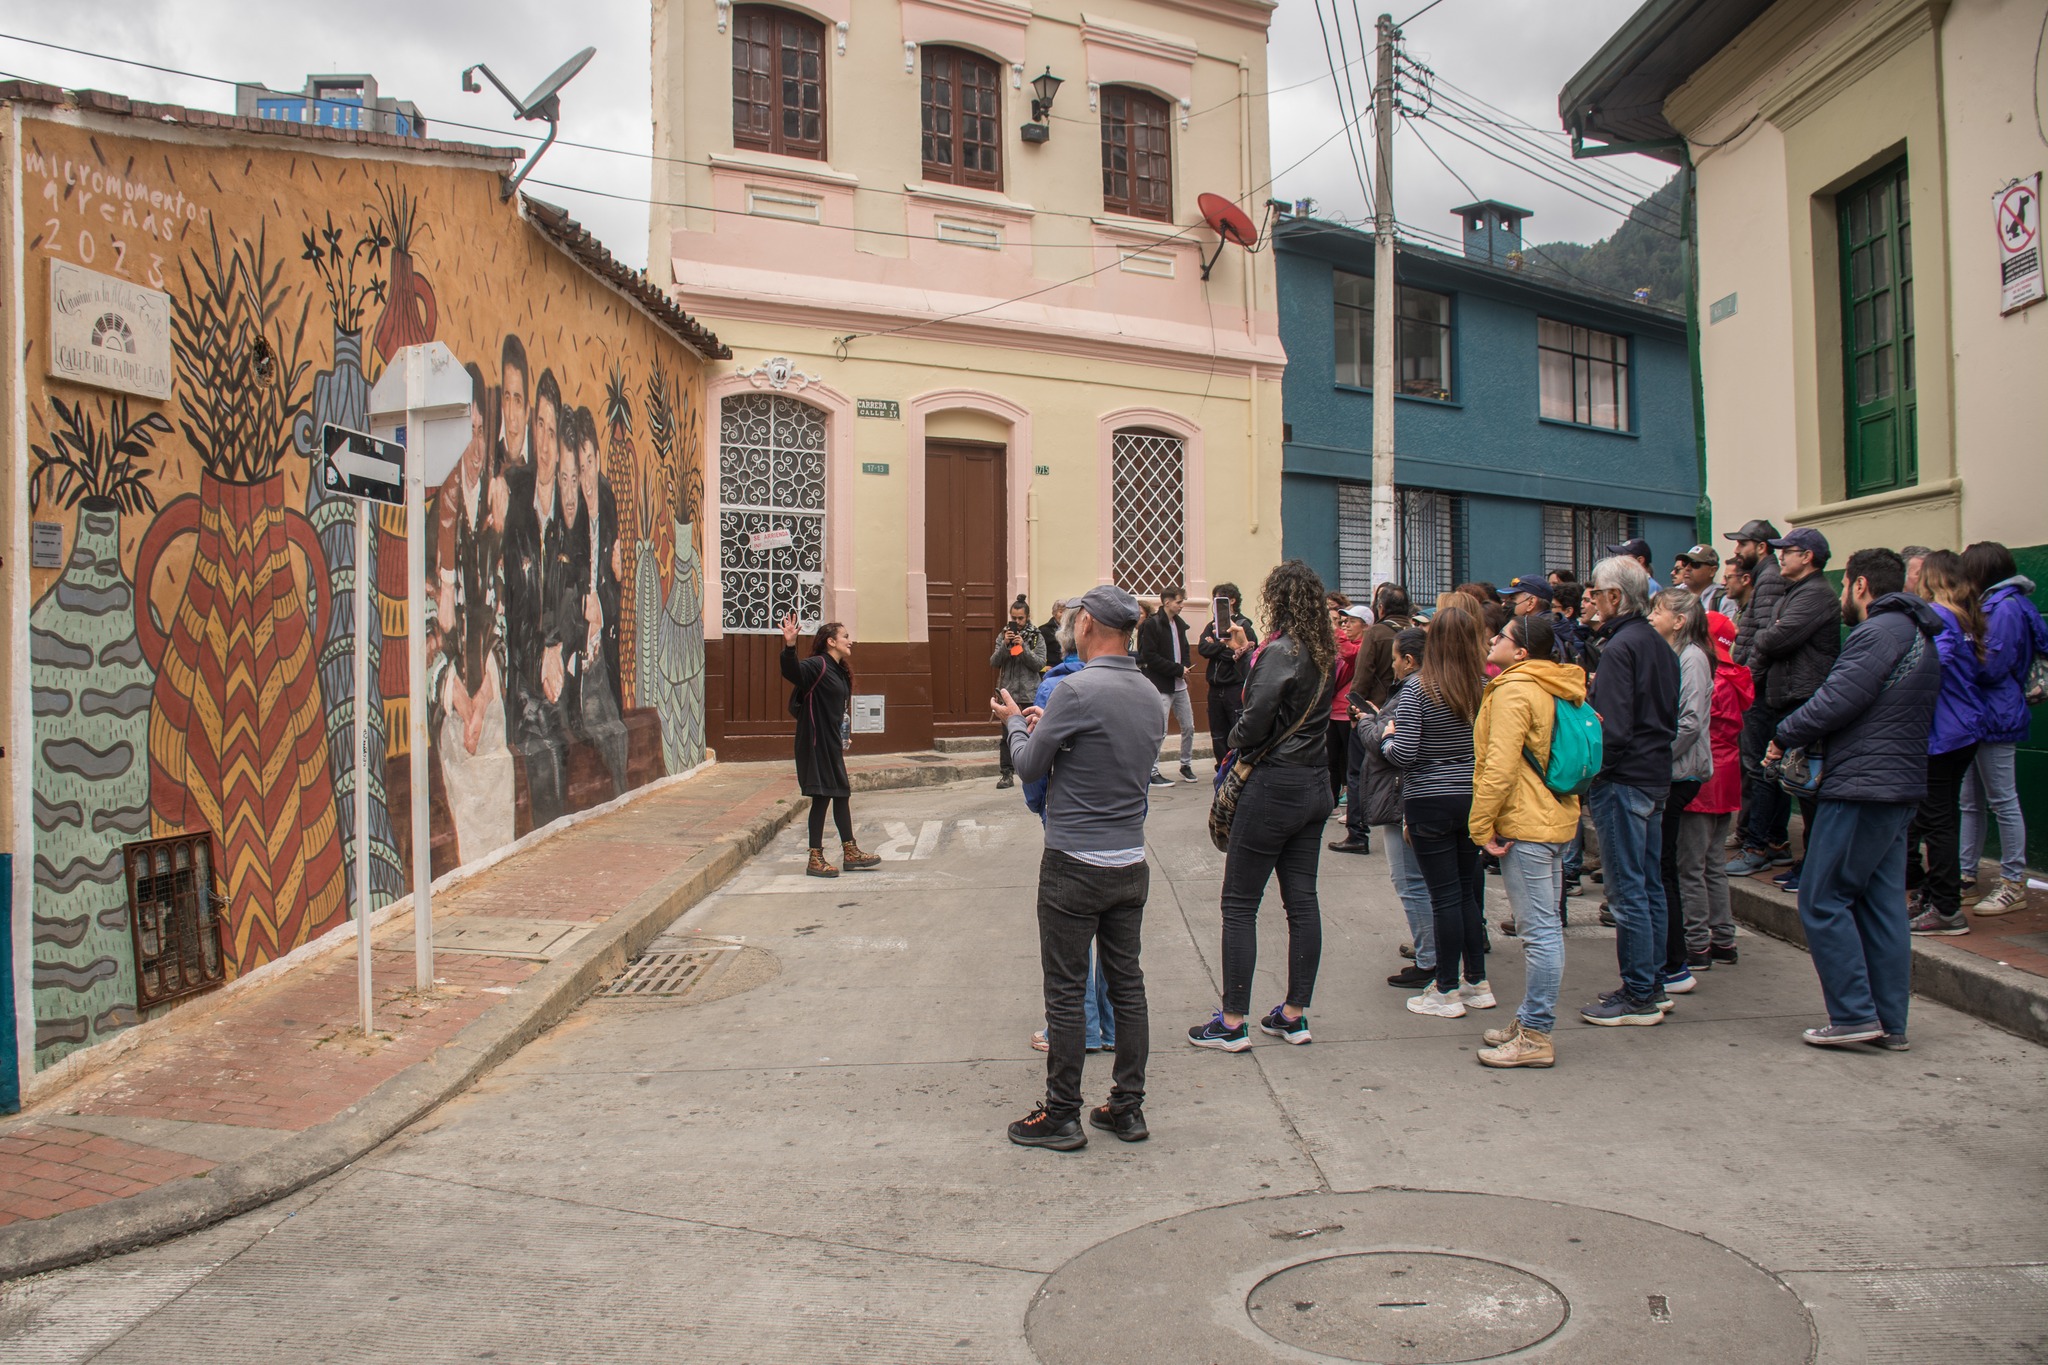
203, 612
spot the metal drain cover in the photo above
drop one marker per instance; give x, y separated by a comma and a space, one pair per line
1407, 1307
668, 975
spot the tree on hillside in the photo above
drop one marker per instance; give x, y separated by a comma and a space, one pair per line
1643, 253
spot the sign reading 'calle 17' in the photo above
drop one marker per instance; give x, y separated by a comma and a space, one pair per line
109, 333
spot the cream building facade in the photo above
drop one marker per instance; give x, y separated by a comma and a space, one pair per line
1862, 373
975, 352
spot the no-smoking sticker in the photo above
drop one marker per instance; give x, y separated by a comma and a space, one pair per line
2018, 215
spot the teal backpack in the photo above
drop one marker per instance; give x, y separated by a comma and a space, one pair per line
1575, 749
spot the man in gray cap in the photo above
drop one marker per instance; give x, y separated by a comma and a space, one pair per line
1096, 741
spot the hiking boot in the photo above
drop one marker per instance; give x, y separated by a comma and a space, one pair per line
1616, 1007
1726, 955
1477, 995
819, 867
2003, 900
1220, 1036
1494, 1037
857, 861
1526, 1048
1932, 923
1748, 863
1351, 844
1279, 1025
1040, 1129
1005, 782
1127, 1124
1437, 1004
1411, 976
1835, 1035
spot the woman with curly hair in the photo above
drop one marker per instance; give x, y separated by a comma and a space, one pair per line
1279, 823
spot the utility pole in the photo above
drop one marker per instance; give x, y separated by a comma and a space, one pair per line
1385, 323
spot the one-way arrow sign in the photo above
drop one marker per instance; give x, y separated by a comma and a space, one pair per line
361, 466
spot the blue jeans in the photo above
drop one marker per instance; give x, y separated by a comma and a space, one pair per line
1414, 894
1852, 904
1992, 785
1631, 825
1533, 875
1098, 1019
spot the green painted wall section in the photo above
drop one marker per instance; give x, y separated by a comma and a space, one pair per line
2033, 755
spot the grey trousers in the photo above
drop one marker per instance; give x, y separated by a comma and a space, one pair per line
1703, 881
1177, 706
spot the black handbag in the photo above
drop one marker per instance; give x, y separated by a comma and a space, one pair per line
1230, 786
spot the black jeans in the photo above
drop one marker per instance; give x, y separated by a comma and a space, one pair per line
1770, 809
1337, 749
1936, 825
1354, 808
842, 815
1079, 904
1439, 832
1007, 761
1682, 794
1278, 828
1226, 704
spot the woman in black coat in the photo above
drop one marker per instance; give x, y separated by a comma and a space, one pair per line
822, 691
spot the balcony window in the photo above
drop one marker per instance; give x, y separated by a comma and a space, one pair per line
963, 118
778, 82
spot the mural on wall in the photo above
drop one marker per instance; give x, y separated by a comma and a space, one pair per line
192, 660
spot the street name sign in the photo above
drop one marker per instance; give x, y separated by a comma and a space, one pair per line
361, 466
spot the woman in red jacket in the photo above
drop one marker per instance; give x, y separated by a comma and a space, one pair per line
1703, 828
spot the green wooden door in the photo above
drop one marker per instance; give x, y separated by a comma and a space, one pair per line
1881, 443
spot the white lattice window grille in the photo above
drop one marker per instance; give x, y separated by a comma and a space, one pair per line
1577, 538
771, 518
1148, 473
1354, 541
1432, 530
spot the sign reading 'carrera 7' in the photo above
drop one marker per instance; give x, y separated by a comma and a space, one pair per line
109, 333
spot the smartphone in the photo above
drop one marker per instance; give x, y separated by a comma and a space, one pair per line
1219, 612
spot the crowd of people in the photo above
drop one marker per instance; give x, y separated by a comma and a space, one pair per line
1518, 731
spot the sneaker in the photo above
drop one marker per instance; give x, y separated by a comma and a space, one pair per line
1599, 878
1726, 956
1661, 998
1279, 1025
1435, 1002
1160, 779
1748, 863
1187, 772
1572, 889
1408, 950
1477, 995
2007, 898
1343, 799
1038, 1042
1221, 1036
1835, 1035
1617, 1008
1607, 917
1781, 856
1350, 844
1932, 923
1040, 1129
1411, 976
1526, 1048
1127, 1124
1734, 840
1680, 983
1005, 782
1969, 883
1508, 927
1699, 962
1788, 879
1892, 1042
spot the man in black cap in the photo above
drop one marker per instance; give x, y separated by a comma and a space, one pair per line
1096, 740
1638, 549
1695, 570
1764, 825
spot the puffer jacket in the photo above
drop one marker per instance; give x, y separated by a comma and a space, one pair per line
1766, 590
1283, 685
1692, 748
1873, 737
1379, 781
1959, 709
1519, 711
1801, 641
2017, 635
1734, 690
1018, 673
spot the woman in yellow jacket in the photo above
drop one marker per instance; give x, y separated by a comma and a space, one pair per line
1523, 823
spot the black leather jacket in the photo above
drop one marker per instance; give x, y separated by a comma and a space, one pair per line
1282, 687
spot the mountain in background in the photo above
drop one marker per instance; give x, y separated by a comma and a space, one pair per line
1643, 253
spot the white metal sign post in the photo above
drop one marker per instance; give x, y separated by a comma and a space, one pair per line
362, 467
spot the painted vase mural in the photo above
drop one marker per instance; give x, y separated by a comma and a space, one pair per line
647, 608
681, 695
91, 729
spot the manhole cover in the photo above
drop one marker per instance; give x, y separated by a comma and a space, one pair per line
1407, 1308
668, 976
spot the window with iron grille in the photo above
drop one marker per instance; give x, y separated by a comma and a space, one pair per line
1432, 540
778, 82
1584, 374
771, 489
1577, 538
963, 118
1148, 473
1354, 541
173, 918
1137, 154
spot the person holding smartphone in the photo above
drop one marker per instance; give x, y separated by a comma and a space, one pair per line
821, 690
1225, 642
1018, 659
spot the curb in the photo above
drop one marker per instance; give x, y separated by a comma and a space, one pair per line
2004, 997
539, 1003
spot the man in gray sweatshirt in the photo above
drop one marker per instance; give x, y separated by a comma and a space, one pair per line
1096, 741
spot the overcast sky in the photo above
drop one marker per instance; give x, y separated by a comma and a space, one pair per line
1512, 53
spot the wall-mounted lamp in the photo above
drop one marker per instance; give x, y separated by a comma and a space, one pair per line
1043, 88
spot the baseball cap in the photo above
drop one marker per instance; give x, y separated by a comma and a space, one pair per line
1721, 631
1110, 606
1535, 584
1802, 538
1360, 613
1754, 529
1701, 554
1635, 548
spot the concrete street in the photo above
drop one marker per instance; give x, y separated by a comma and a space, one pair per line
809, 1163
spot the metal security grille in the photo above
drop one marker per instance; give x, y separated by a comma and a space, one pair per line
173, 918
1432, 527
1577, 538
771, 489
1147, 477
1354, 541
667, 975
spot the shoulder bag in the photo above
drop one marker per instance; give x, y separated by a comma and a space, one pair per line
1230, 786
1798, 771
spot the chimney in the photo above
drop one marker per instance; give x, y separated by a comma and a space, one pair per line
1493, 231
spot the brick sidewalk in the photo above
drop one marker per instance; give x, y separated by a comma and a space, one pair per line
2018, 939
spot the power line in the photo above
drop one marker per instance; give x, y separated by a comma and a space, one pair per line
1554, 160
1419, 13
1344, 111
1621, 201
1539, 173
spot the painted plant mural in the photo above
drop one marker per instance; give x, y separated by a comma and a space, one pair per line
191, 654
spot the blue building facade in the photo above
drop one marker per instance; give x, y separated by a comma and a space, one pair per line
1536, 423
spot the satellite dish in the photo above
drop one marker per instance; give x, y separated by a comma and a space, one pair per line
1230, 224
549, 88
543, 104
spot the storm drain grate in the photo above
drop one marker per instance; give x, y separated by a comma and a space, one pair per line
667, 975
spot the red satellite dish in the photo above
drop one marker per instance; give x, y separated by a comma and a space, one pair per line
1230, 224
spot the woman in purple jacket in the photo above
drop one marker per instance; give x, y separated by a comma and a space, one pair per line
2016, 635
1952, 740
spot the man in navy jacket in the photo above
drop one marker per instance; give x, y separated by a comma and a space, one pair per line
1870, 717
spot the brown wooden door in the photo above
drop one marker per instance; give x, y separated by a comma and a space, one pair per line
966, 576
